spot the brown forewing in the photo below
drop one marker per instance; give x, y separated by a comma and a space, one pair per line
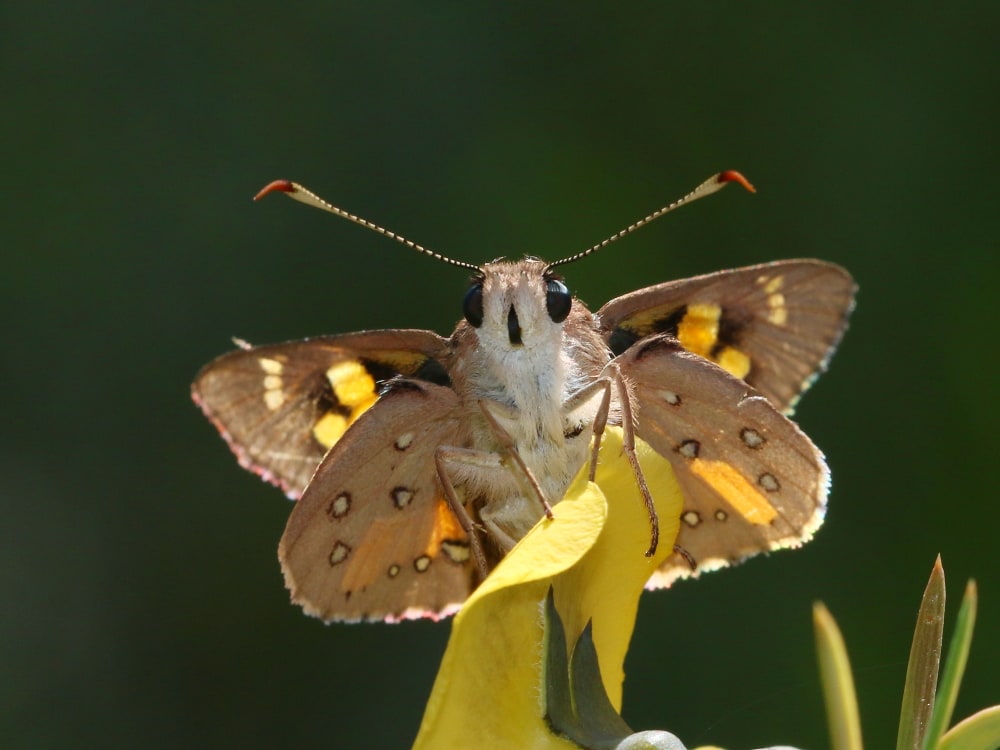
277, 442
788, 344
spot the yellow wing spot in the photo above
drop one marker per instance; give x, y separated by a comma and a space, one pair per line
352, 384
772, 285
736, 490
699, 329
777, 313
733, 361
329, 429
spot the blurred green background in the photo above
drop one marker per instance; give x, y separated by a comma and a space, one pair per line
144, 606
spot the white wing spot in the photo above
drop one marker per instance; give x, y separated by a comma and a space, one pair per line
751, 438
670, 397
721, 515
274, 387
777, 312
769, 482
689, 448
401, 497
771, 285
339, 553
271, 366
691, 517
404, 441
393, 570
422, 563
457, 552
340, 505
273, 399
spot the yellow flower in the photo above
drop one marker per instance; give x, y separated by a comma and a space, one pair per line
489, 692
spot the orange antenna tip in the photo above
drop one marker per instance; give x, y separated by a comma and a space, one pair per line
278, 186
731, 175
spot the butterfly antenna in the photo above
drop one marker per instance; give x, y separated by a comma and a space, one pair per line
304, 195
709, 186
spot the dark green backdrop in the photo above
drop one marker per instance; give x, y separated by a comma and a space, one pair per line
143, 604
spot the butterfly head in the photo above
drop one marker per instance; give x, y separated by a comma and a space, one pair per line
517, 305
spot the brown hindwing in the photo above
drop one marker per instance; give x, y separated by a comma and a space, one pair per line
373, 537
752, 481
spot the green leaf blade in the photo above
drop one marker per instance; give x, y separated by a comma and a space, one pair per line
838, 683
981, 731
954, 667
922, 670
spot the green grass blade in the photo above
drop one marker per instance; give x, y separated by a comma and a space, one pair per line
981, 731
954, 667
838, 683
922, 670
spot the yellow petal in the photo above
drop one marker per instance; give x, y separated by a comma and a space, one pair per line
488, 691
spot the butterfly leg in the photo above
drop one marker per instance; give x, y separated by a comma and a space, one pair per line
465, 457
628, 446
510, 448
582, 400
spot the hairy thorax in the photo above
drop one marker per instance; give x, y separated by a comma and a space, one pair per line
525, 388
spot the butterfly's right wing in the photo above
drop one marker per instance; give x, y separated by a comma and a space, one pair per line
774, 325
373, 537
752, 481
281, 407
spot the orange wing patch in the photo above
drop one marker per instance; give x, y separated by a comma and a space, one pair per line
736, 490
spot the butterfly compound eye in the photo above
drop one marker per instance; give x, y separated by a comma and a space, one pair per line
558, 300
472, 305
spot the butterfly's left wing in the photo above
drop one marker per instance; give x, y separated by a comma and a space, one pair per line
373, 536
281, 407
774, 325
751, 480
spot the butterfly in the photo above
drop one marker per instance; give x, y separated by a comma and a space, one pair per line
418, 461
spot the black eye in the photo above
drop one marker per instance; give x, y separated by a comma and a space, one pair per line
472, 305
558, 300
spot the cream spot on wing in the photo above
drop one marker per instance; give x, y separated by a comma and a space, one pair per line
689, 448
771, 285
339, 553
670, 397
457, 552
404, 441
274, 387
751, 438
422, 563
721, 515
393, 570
691, 517
271, 366
339, 506
273, 399
769, 482
777, 313
401, 497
